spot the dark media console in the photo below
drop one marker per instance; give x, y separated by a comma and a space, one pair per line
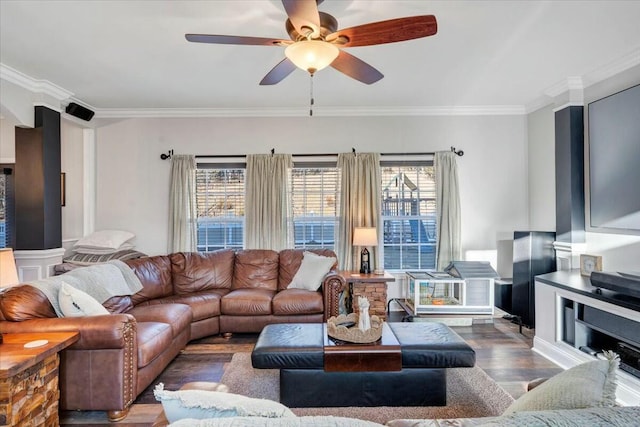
623, 283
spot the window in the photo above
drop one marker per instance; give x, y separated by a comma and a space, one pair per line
408, 215
315, 189
220, 206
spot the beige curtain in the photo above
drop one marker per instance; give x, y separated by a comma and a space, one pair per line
267, 201
182, 204
449, 246
359, 205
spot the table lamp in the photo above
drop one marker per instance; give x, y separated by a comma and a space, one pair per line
365, 236
8, 272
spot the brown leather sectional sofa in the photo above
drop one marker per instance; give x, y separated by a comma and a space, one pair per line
185, 296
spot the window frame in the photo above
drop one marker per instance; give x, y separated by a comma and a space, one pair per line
322, 219
399, 163
229, 235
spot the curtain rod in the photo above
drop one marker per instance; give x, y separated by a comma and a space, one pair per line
168, 154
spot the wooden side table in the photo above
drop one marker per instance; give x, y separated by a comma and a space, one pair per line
372, 286
29, 392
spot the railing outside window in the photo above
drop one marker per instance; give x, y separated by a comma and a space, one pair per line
408, 216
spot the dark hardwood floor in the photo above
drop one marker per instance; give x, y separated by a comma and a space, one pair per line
501, 351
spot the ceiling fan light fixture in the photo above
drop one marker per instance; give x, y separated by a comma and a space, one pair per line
312, 55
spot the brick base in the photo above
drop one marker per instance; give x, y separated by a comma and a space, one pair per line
376, 293
30, 398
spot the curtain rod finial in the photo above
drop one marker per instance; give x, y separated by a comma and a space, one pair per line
167, 155
458, 152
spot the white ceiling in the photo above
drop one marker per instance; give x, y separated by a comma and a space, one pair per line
132, 55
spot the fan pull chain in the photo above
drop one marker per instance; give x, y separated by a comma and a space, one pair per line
311, 101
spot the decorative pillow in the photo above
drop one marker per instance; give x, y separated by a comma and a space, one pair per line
92, 250
91, 259
585, 417
112, 239
307, 421
588, 385
312, 270
75, 303
202, 404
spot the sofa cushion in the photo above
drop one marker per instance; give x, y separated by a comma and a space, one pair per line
178, 316
155, 275
256, 268
152, 339
297, 301
193, 271
203, 304
247, 302
590, 384
118, 304
290, 260
24, 302
313, 269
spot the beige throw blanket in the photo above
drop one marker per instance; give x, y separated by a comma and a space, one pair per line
101, 281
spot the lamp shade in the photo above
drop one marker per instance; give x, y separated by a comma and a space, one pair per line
311, 55
365, 236
8, 271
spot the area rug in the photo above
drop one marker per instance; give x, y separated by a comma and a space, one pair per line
185, 368
470, 393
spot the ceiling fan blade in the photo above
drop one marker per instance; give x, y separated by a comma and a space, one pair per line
238, 40
278, 73
303, 13
356, 68
393, 30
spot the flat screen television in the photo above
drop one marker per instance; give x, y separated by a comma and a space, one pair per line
613, 191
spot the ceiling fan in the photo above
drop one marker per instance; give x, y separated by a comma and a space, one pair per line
317, 43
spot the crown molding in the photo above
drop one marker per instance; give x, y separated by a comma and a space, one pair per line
573, 83
570, 83
317, 111
611, 69
33, 85
624, 63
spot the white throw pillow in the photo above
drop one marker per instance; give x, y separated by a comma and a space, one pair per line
588, 385
75, 303
112, 239
312, 270
305, 421
203, 404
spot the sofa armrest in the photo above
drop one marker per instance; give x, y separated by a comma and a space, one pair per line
333, 286
109, 331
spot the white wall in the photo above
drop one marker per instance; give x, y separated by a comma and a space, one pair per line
7, 141
542, 179
133, 183
71, 146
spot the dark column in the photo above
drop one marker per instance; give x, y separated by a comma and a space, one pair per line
37, 183
569, 125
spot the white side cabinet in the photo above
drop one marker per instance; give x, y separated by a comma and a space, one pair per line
574, 324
